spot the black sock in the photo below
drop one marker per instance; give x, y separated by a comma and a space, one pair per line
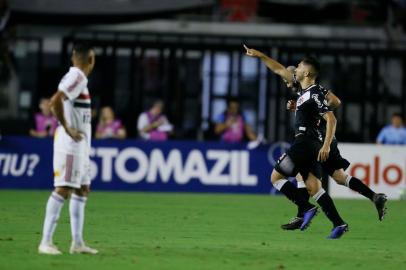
329, 209
306, 196
361, 188
294, 195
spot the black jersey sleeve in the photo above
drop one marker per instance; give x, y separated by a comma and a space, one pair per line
324, 91
320, 102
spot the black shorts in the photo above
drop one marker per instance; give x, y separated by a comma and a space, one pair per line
335, 161
301, 158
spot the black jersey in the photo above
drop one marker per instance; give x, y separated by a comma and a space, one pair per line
310, 106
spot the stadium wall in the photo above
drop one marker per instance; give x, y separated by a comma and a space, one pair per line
189, 166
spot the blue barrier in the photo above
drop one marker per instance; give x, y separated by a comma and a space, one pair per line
26, 163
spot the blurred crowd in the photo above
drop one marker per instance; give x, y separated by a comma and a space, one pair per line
230, 126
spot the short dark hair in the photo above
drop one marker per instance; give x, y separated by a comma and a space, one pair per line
82, 50
313, 62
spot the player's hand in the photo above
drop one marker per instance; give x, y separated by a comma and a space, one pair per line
323, 153
291, 105
252, 52
75, 134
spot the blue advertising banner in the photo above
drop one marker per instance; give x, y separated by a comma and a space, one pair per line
133, 165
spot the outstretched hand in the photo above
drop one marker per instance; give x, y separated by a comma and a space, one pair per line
252, 52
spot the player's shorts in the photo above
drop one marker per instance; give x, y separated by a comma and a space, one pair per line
71, 170
301, 158
335, 161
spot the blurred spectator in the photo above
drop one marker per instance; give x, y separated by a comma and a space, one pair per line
394, 133
109, 127
153, 124
231, 125
45, 123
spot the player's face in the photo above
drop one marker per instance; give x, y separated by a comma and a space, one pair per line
301, 71
87, 63
92, 60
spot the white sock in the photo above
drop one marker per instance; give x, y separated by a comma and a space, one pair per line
319, 194
347, 180
53, 210
77, 218
279, 184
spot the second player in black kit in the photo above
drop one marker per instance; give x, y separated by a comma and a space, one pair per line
308, 148
335, 167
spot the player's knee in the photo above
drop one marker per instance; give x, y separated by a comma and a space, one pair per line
83, 191
63, 192
312, 185
340, 177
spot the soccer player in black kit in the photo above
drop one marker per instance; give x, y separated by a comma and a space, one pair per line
309, 148
334, 166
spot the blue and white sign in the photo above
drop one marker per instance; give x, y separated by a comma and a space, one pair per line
145, 166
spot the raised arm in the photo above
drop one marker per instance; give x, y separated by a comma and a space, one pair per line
332, 100
272, 64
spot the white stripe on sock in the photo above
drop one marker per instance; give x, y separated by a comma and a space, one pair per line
319, 194
347, 180
279, 184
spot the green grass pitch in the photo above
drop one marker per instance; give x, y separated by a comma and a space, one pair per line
200, 231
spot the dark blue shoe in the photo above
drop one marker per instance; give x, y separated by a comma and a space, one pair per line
338, 231
307, 217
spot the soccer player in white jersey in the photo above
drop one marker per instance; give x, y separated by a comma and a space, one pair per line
71, 105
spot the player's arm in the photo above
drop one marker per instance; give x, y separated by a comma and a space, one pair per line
272, 64
57, 109
330, 131
332, 100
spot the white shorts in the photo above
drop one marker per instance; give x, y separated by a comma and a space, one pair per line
71, 170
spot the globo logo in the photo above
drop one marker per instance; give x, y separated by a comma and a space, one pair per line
376, 173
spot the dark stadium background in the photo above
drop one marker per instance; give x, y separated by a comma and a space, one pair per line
167, 49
